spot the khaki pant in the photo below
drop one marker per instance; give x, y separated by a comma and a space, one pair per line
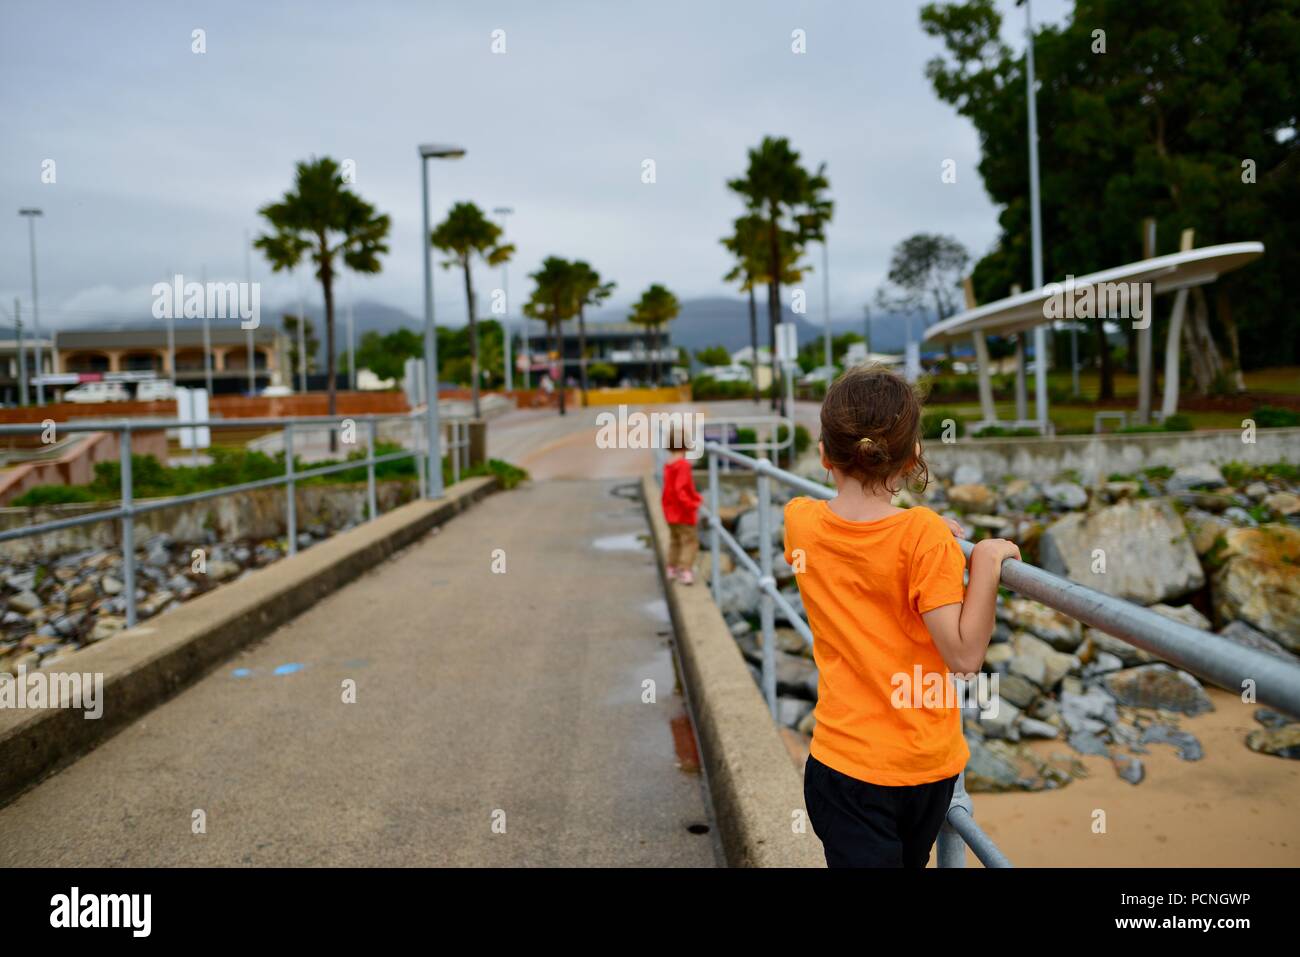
683, 546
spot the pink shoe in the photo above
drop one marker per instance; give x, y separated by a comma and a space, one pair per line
670, 572
686, 577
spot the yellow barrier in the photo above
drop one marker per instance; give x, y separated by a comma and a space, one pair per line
638, 396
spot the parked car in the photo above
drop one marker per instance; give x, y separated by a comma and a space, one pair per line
155, 390
98, 392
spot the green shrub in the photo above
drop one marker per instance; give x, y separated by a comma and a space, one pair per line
802, 439
932, 424
1272, 417
54, 495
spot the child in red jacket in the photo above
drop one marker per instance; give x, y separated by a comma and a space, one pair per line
680, 502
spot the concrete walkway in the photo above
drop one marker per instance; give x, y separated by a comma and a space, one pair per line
498, 720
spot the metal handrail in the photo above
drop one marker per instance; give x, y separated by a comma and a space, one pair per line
1209, 656
456, 446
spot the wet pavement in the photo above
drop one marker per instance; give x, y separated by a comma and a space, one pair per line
530, 717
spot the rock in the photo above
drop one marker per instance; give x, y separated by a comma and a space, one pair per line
1206, 530
1282, 742
110, 585
791, 711
999, 720
1103, 662
747, 527
1114, 491
1021, 494
1243, 634
796, 677
1189, 748
106, 627
155, 603
1033, 728
973, 498
1031, 669
738, 592
1258, 581
1272, 719
967, 474
1088, 742
25, 602
1018, 690
1256, 490
793, 596
1001, 766
220, 570
1158, 686
81, 593
1189, 477
1283, 503
739, 626
1184, 614
1093, 704
998, 657
1129, 768
1101, 643
1056, 664
1057, 629
1240, 517
67, 626
1066, 495
807, 723
1140, 550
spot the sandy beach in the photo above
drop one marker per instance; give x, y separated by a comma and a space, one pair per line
1233, 808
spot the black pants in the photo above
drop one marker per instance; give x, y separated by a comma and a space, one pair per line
870, 825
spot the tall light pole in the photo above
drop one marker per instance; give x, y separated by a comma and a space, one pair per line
826, 305
352, 340
248, 279
31, 213
171, 332
22, 353
434, 484
1036, 224
207, 334
503, 212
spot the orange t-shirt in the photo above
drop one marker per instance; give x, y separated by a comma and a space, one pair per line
865, 586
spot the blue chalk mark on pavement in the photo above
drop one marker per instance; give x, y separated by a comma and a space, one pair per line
288, 669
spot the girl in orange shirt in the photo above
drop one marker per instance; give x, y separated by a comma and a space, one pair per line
892, 623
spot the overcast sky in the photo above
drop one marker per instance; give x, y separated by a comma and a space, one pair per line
163, 155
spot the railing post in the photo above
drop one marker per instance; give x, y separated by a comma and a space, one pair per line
453, 446
370, 471
291, 503
765, 606
715, 540
951, 849
128, 524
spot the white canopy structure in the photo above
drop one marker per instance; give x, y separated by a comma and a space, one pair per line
1125, 292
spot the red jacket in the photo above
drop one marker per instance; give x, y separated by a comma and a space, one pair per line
680, 499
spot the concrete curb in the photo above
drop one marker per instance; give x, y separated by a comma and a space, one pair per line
144, 666
756, 790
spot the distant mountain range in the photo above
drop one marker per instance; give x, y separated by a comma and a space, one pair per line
703, 322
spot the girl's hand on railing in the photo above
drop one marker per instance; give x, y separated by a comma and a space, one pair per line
995, 550
954, 526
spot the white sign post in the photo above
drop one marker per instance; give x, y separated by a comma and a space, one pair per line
192, 406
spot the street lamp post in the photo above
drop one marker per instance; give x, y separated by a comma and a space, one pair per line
503, 212
1036, 224
826, 306
31, 213
434, 485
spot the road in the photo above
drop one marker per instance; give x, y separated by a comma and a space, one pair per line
498, 719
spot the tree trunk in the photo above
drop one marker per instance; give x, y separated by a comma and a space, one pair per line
327, 285
774, 298
473, 338
753, 342
559, 352
1203, 353
1106, 391
582, 353
1223, 306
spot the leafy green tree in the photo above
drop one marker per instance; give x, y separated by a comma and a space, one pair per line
748, 244
323, 219
1189, 116
554, 300
655, 309
467, 234
588, 290
289, 323
386, 355
791, 200
713, 356
926, 271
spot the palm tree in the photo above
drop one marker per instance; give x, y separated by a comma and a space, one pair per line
465, 234
322, 218
553, 301
791, 201
656, 307
589, 291
748, 243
